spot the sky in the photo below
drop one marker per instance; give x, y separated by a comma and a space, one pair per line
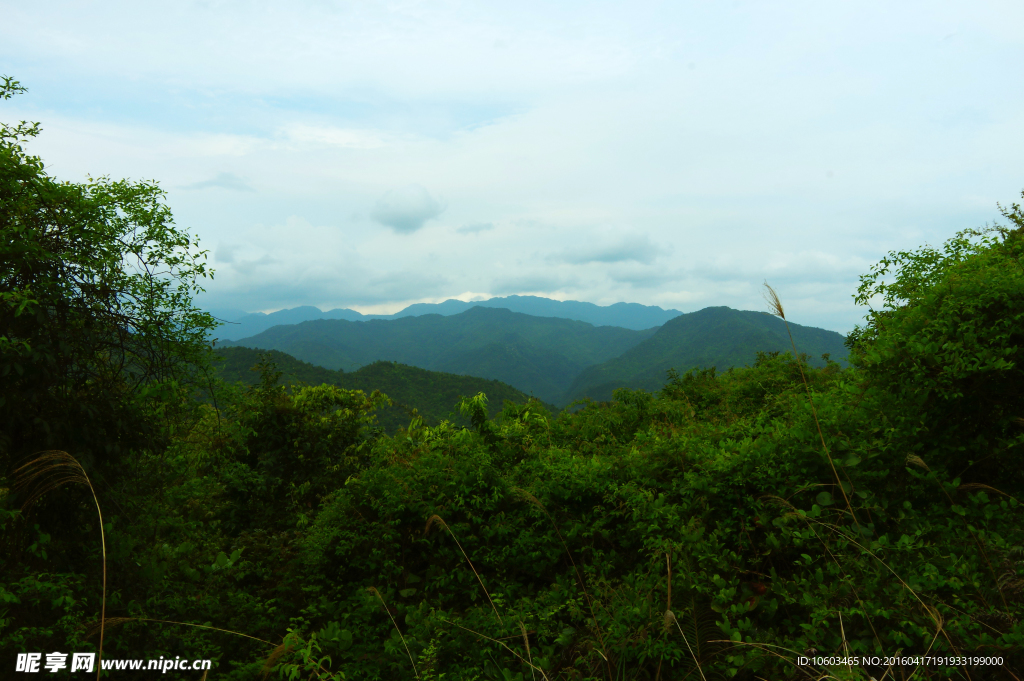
371, 155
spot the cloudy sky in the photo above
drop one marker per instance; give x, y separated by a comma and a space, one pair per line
374, 154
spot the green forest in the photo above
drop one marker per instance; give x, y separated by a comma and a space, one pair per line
781, 519
430, 395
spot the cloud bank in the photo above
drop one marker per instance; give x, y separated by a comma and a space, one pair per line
406, 209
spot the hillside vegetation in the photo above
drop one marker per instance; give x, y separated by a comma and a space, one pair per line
717, 337
866, 518
537, 355
431, 394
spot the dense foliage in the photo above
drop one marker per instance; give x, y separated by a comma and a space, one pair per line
719, 528
431, 395
96, 313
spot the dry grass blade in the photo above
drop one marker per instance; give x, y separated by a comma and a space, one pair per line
93, 627
668, 568
502, 644
671, 616
766, 647
916, 460
438, 520
376, 593
45, 472
932, 612
526, 496
972, 486
776, 309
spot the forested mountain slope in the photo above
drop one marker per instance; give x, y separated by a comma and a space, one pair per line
237, 324
715, 336
432, 394
538, 355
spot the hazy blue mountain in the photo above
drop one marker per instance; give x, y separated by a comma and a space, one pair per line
715, 336
252, 323
538, 355
626, 315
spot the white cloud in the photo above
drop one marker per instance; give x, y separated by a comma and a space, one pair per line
630, 248
222, 181
708, 129
346, 138
475, 228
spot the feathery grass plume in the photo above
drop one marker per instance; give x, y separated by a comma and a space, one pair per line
440, 521
529, 498
376, 593
526, 642
44, 473
971, 486
775, 307
671, 617
917, 461
286, 647
275, 655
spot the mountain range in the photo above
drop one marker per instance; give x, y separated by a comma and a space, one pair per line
538, 355
237, 324
556, 360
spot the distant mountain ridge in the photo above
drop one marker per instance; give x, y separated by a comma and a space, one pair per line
538, 355
556, 360
626, 315
715, 336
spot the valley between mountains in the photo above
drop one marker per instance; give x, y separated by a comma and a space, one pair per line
554, 359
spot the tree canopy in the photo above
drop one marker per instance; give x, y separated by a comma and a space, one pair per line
96, 312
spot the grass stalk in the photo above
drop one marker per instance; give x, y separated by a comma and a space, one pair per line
502, 644
526, 642
579, 576
438, 519
46, 472
671, 616
775, 305
376, 593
